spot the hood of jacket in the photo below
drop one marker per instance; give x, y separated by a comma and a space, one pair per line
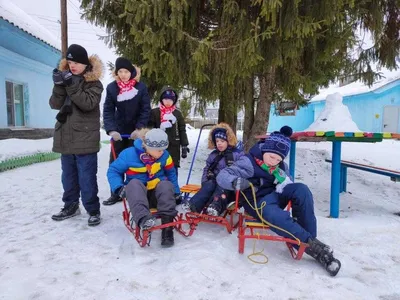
96, 72
232, 140
166, 88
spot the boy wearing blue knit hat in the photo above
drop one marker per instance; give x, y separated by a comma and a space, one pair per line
264, 168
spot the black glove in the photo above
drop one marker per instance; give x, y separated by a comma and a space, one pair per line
210, 175
67, 77
57, 77
185, 151
120, 192
240, 184
178, 199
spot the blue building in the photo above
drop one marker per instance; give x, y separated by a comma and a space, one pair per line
373, 109
28, 54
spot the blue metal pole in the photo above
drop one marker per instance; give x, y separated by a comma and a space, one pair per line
292, 159
195, 151
335, 179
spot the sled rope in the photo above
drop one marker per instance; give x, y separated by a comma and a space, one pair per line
257, 210
259, 253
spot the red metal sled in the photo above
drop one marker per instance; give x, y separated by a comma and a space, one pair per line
189, 190
143, 237
246, 230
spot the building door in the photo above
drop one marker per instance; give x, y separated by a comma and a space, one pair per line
391, 119
15, 104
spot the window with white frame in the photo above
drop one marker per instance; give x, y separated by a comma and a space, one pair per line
15, 104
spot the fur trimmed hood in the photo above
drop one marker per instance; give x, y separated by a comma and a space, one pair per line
137, 77
232, 140
95, 74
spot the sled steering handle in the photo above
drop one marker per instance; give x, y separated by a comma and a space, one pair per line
238, 183
206, 125
124, 136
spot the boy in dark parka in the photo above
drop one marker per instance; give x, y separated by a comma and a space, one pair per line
77, 94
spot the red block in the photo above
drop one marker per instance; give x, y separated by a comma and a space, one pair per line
309, 133
369, 134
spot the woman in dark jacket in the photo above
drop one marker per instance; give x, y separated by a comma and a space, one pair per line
170, 119
126, 109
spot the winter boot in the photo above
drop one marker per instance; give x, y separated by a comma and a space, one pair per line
167, 234
147, 222
324, 255
94, 218
212, 210
188, 206
67, 212
215, 207
112, 200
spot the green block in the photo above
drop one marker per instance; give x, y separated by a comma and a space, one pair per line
330, 133
377, 135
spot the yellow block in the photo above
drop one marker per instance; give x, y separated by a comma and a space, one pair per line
358, 134
387, 135
320, 133
256, 224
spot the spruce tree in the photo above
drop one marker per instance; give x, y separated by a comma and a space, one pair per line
250, 52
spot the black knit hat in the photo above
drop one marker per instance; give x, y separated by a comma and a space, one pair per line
124, 63
77, 54
169, 94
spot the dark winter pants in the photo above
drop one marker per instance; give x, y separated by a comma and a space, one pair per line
300, 195
176, 169
79, 178
120, 146
209, 189
141, 200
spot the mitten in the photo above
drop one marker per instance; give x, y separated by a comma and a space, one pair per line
57, 77
67, 77
165, 125
116, 136
134, 135
240, 184
280, 186
170, 117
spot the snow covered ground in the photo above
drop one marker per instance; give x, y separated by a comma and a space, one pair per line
43, 259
